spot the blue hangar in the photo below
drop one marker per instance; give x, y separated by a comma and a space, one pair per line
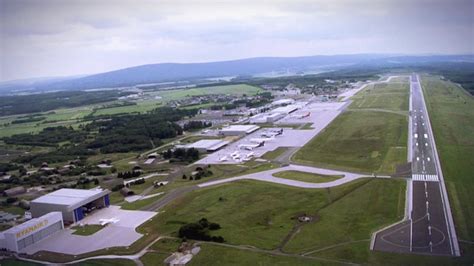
74, 204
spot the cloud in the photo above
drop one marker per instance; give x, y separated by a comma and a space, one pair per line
52, 37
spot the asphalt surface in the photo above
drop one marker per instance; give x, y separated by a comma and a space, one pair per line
426, 230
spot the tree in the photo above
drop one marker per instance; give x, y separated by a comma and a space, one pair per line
184, 176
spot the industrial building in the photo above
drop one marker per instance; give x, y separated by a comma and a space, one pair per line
266, 118
282, 102
206, 145
238, 130
23, 235
286, 109
74, 204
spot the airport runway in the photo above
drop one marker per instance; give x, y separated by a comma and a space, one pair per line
428, 228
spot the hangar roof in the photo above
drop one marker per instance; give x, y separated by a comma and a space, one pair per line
69, 196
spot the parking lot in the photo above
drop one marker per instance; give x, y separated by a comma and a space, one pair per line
320, 115
120, 234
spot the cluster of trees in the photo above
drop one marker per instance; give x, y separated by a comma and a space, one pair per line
200, 231
61, 154
49, 136
23, 104
84, 181
137, 182
196, 124
182, 155
29, 120
129, 174
136, 132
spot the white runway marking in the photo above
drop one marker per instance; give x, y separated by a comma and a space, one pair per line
423, 177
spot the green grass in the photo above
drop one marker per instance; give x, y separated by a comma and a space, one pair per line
141, 107
358, 141
219, 255
353, 217
106, 262
306, 177
451, 112
387, 96
256, 213
87, 230
160, 251
372, 141
272, 155
140, 203
168, 95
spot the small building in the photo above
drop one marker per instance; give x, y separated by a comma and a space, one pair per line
206, 145
238, 130
125, 191
74, 204
14, 191
28, 233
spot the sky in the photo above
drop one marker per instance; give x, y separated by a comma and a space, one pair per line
45, 38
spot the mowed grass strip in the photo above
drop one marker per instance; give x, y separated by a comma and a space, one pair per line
358, 141
387, 96
451, 112
306, 177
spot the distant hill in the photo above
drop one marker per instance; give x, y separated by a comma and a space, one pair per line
168, 72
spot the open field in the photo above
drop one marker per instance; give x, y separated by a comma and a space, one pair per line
269, 210
387, 96
306, 177
358, 141
169, 95
353, 217
220, 255
370, 137
451, 113
271, 155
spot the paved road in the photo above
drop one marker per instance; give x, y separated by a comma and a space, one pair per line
267, 176
428, 228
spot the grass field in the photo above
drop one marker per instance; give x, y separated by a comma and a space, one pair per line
451, 112
168, 95
271, 155
266, 212
353, 217
359, 141
387, 96
306, 177
87, 230
219, 255
370, 137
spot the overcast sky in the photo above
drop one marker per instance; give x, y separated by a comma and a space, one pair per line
69, 37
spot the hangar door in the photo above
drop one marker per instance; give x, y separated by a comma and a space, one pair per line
41, 234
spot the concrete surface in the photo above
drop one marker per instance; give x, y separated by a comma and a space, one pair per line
120, 234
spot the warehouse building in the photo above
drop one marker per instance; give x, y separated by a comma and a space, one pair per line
206, 145
23, 235
238, 130
74, 204
286, 109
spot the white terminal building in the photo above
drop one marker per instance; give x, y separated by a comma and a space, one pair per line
206, 145
238, 130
